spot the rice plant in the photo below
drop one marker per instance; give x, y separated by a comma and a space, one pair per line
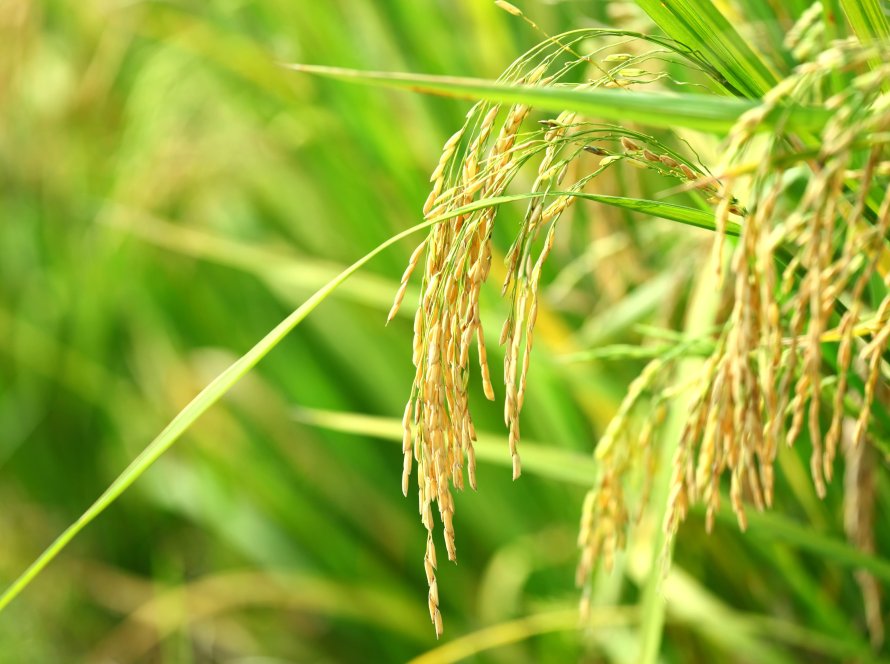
796, 281
666, 222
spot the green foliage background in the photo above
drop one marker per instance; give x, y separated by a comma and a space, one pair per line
169, 193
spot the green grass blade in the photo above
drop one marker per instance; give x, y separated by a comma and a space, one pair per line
700, 112
188, 415
551, 462
700, 316
681, 213
809, 640
288, 274
684, 600
622, 352
228, 378
770, 29
520, 629
580, 469
868, 20
699, 25
776, 527
670, 211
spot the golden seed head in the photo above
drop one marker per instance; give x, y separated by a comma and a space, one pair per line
767, 361
507, 7
629, 145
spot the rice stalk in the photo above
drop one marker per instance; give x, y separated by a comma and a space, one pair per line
481, 159
798, 277
762, 390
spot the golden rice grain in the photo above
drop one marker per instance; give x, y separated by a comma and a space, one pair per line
507, 7
763, 383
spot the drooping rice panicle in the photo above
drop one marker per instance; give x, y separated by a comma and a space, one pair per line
798, 275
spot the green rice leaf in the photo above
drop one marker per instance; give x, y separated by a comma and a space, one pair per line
520, 629
228, 378
868, 19
699, 25
551, 462
681, 213
776, 527
669, 110
188, 415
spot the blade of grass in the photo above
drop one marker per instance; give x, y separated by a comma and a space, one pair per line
621, 352
699, 317
552, 462
580, 469
681, 213
290, 275
513, 631
765, 15
699, 25
809, 640
284, 272
612, 322
699, 112
690, 603
776, 527
216, 595
228, 378
868, 19
187, 416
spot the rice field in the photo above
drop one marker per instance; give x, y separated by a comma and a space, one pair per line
304, 303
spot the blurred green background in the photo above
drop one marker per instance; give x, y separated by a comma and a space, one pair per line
169, 193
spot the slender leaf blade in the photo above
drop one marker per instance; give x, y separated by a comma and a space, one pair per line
668, 110
699, 25
214, 391
680, 213
206, 398
868, 19
551, 462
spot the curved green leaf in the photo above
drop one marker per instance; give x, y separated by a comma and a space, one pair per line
188, 415
700, 26
228, 378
